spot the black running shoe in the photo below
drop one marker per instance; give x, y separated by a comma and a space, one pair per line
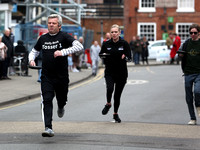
106, 109
61, 112
116, 118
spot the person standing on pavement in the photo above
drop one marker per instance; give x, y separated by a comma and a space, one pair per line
132, 45
118, 52
191, 69
169, 41
138, 50
20, 50
81, 54
94, 54
9, 59
108, 36
3, 52
55, 46
145, 51
75, 59
176, 45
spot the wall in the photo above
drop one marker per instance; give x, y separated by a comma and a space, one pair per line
132, 17
95, 24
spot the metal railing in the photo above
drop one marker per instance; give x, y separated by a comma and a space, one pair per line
98, 10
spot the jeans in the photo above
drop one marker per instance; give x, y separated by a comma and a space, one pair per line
192, 94
137, 58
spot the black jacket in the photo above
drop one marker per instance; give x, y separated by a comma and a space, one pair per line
7, 41
183, 59
115, 66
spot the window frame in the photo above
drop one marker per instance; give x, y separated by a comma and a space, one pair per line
147, 23
185, 9
146, 9
182, 23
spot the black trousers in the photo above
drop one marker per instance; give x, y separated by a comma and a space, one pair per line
114, 85
51, 87
5, 65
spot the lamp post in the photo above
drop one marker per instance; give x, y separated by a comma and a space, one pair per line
101, 31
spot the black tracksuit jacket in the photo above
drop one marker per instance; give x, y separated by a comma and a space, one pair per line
115, 66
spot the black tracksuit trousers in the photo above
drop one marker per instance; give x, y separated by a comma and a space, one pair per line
51, 87
117, 85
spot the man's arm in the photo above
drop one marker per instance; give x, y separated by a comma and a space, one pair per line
76, 47
32, 55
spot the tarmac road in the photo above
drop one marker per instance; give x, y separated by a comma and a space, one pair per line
153, 112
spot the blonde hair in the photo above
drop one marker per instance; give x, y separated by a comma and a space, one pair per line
115, 26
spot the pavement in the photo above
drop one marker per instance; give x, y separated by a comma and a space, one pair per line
21, 88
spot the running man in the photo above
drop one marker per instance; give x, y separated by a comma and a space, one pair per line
55, 46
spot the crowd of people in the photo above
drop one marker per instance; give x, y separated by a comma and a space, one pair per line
139, 49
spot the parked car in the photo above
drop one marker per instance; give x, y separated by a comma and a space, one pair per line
158, 50
155, 48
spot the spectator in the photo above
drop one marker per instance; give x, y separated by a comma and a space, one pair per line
190, 66
75, 59
138, 50
132, 46
9, 59
169, 41
94, 54
81, 54
20, 50
70, 62
3, 52
176, 45
145, 51
12, 37
108, 37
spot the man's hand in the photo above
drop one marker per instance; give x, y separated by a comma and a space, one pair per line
32, 63
57, 53
123, 56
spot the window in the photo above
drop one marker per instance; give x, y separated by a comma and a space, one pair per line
147, 6
148, 30
185, 6
2, 22
182, 29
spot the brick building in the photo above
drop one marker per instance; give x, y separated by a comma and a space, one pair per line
155, 18
150, 18
100, 15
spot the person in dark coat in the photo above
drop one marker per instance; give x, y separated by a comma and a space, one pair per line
145, 51
9, 59
138, 50
21, 50
132, 45
190, 54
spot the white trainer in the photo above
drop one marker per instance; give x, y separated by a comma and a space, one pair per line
192, 122
48, 132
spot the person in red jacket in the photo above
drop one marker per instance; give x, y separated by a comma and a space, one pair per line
176, 45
